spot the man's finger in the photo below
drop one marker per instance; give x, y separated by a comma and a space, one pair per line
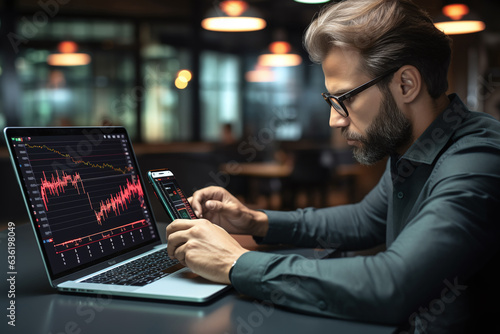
196, 205
200, 197
174, 241
180, 254
179, 225
214, 205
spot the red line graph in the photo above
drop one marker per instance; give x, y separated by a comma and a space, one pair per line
55, 186
119, 202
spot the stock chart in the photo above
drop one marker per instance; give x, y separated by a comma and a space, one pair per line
87, 200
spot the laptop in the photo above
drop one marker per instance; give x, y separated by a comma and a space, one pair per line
92, 218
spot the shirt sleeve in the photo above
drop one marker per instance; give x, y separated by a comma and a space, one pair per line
453, 235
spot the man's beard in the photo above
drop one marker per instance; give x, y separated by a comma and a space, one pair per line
390, 131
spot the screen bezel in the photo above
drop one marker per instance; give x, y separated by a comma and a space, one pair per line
11, 132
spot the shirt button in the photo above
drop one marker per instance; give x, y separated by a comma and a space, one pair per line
322, 305
401, 195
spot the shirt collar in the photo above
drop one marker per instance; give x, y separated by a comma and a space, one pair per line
427, 147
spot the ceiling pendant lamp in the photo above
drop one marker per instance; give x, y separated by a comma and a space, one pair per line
311, 1
233, 16
260, 74
67, 55
280, 56
459, 20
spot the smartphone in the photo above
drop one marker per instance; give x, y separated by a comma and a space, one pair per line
170, 194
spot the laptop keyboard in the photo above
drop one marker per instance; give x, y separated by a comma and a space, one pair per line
139, 272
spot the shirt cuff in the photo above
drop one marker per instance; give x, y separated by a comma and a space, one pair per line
282, 227
247, 273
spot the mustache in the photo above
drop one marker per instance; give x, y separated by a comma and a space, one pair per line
352, 135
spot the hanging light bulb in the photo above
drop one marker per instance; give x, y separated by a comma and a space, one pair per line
182, 79
68, 56
260, 74
456, 11
233, 16
459, 20
311, 1
280, 56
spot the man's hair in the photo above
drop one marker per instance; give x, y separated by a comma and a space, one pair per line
388, 34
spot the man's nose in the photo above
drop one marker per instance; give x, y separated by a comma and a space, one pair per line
337, 120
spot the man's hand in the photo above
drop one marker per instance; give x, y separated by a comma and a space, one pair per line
221, 208
205, 248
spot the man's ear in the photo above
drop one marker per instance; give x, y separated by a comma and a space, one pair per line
409, 83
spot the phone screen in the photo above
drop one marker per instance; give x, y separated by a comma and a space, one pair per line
170, 194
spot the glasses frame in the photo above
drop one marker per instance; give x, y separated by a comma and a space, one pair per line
340, 99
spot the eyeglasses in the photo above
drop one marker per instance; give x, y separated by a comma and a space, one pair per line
337, 102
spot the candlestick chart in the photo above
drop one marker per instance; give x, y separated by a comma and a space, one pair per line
87, 197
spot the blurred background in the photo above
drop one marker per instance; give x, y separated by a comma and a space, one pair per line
210, 105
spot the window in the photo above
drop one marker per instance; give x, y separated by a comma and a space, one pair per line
92, 94
166, 108
220, 98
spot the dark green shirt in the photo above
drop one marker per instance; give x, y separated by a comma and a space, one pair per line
437, 210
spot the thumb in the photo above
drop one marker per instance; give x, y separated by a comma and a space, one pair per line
214, 205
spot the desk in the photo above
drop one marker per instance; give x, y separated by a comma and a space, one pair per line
258, 169
40, 309
256, 172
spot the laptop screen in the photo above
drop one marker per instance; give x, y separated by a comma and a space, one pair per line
84, 193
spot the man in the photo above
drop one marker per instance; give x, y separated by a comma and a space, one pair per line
435, 207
